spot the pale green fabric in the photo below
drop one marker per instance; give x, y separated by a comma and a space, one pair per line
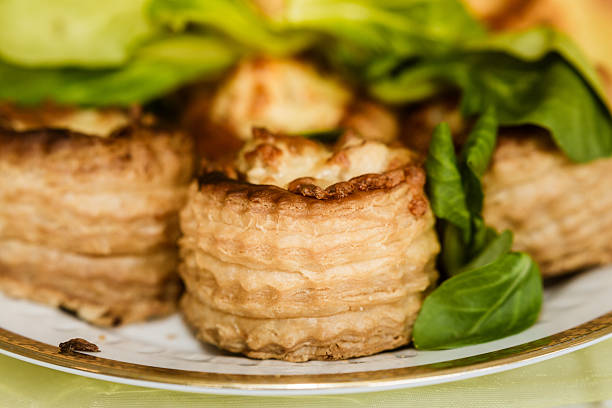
579, 377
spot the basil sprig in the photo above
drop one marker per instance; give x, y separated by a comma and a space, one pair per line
492, 292
455, 190
481, 304
401, 51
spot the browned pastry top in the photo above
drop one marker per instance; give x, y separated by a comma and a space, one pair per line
269, 154
135, 153
303, 198
99, 195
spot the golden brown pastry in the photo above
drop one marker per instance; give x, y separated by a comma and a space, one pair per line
90, 222
559, 211
313, 253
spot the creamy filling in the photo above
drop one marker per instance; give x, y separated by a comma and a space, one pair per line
279, 160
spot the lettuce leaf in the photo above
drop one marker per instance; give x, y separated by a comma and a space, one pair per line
238, 20
156, 69
401, 50
549, 93
371, 36
534, 45
38, 33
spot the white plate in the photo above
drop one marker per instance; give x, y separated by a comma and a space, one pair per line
164, 354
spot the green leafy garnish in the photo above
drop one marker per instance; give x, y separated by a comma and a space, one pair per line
445, 186
239, 20
483, 304
496, 246
400, 50
552, 86
39, 33
492, 292
370, 36
159, 67
455, 191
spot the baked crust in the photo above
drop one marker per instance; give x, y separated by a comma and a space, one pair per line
558, 210
93, 195
274, 273
334, 337
104, 290
90, 222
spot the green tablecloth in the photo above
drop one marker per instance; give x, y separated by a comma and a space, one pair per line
579, 377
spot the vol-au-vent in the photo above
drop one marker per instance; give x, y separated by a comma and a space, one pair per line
89, 222
330, 263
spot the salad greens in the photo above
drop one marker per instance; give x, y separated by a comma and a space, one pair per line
492, 292
548, 93
238, 20
366, 38
162, 65
42, 33
401, 50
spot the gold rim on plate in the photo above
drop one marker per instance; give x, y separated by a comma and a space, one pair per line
397, 377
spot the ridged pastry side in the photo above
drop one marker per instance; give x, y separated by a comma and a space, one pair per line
275, 274
558, 210
90, 223
339, 336
93, 195
106, 290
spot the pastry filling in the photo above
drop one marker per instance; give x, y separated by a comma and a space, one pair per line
285, 161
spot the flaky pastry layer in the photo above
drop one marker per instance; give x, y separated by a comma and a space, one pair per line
89, 222
339, 336
558, 210
93, 195
315, 271
107, 290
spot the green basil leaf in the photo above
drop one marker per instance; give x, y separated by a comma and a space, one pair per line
444, 184
481, 237
455, 190
496, 246
484, 304
475, 158
455, 251
491, 293
550, 94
